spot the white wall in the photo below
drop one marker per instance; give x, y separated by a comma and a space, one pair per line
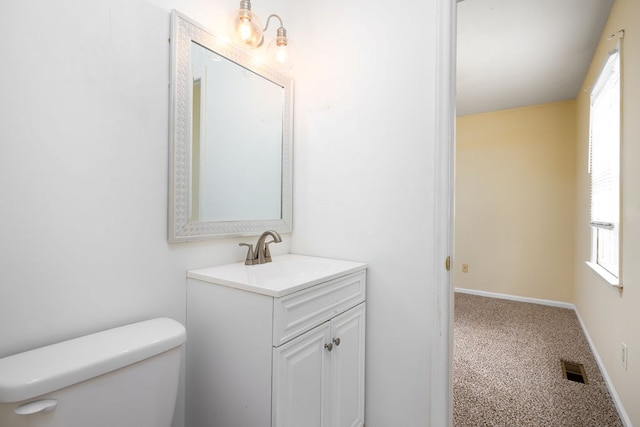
83, 203
365, 158
84, 172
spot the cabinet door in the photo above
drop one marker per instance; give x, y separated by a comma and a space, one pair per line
301, 380
347, 368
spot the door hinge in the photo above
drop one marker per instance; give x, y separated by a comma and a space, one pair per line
447, 263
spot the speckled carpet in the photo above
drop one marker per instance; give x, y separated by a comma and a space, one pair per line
507, 367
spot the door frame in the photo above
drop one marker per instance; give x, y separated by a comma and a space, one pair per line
441, 387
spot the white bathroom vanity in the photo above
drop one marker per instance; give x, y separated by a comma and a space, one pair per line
280, 344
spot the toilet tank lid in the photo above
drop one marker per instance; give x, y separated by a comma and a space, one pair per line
43, 370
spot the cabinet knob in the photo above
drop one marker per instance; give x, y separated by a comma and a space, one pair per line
329, 346
336, 341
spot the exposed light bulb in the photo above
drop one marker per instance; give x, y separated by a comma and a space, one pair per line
281, 51
245, 30
244, 27
281, 54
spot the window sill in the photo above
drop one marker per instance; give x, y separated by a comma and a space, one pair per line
608, 277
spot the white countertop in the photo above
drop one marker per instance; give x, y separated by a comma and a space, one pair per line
284, 275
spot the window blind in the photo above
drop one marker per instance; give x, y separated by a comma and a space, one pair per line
604, 165
605, 146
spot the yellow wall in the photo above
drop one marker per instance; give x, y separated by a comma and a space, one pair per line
515, 184
612, 317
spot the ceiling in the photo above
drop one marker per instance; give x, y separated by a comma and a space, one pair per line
513, 53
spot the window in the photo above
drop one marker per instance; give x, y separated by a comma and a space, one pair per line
604, 168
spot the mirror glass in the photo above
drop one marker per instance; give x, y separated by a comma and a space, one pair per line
230, 140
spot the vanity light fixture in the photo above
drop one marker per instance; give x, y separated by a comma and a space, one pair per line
247, 32
245, 27
280, 50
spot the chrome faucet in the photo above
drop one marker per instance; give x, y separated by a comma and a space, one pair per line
262, 254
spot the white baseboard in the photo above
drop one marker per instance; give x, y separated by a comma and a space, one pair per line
612, 391
517, 298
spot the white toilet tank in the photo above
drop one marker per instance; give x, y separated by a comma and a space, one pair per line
122, 377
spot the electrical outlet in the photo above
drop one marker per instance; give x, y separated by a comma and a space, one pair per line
465, 268
623, 356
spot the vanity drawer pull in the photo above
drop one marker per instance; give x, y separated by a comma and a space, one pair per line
336, 341
328, 346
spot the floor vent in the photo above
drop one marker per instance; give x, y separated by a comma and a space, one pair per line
574, 372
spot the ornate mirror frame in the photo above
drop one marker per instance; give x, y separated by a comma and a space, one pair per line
182, 228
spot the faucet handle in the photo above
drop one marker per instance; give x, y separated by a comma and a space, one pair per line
249, 259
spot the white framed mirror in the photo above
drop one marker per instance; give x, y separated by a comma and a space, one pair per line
230, 139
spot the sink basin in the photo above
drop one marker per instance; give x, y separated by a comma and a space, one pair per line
284, 275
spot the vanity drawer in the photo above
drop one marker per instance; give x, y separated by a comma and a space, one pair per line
296, 313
